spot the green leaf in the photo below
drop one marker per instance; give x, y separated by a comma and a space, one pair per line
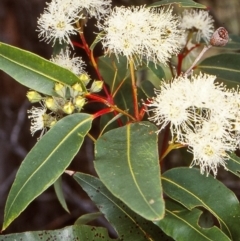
191, 189
233, 164
129, 225
183, 3
233, 43
182, 224
59, 192
34, 71
127, 163
71, 233
113, 70
46, 162
148, 88
86, 218
224, 66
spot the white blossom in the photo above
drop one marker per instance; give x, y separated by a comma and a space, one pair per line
186, 103
36, 114
74, 64
58, 21
209, 152
199, 21
95, 8
201, 114
40, 120
140, 32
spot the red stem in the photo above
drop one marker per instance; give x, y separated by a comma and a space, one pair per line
102, 112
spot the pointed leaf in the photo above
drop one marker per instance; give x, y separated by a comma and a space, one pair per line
46, 162
59, 192
182, 224
192, 189
129, 225
233, 164
183, 3
125, 157
34, 71
86, 218
71, 233
224, 66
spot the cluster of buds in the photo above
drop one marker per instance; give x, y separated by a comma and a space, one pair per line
68, 100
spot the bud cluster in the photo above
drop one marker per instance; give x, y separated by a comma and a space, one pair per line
68, 100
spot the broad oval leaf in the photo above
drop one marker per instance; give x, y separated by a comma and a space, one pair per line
46, 162
71, 233
183, 3
127, 163
191, 189
34, 71
182, 224
224, 66
128, 224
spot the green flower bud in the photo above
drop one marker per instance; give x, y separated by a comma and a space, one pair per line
84, 78
68, 108
33, 96
96, 86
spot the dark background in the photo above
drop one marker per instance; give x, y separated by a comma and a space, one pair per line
18, 21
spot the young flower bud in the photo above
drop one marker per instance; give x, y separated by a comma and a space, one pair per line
220, 37
80, 102
68, 108
77, 87
96, 86
60, 89
33, 96
51, 104
84, 78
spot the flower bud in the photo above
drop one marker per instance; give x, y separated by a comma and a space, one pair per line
60, 89
77, 87
96, 86
220, 37
84, 78
79, 102
68, 108
51, 104
33, 96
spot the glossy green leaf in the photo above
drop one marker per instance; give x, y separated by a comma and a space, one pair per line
127, 163
34, 71
233, 164
183, 3
59, 192
224, 66
129, 225
71, 233
191, 189
182, 224
86, 218
46, 162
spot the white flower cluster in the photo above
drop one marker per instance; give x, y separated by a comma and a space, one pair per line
74, 64
198, 21
141, 33
202, 114
60, 17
